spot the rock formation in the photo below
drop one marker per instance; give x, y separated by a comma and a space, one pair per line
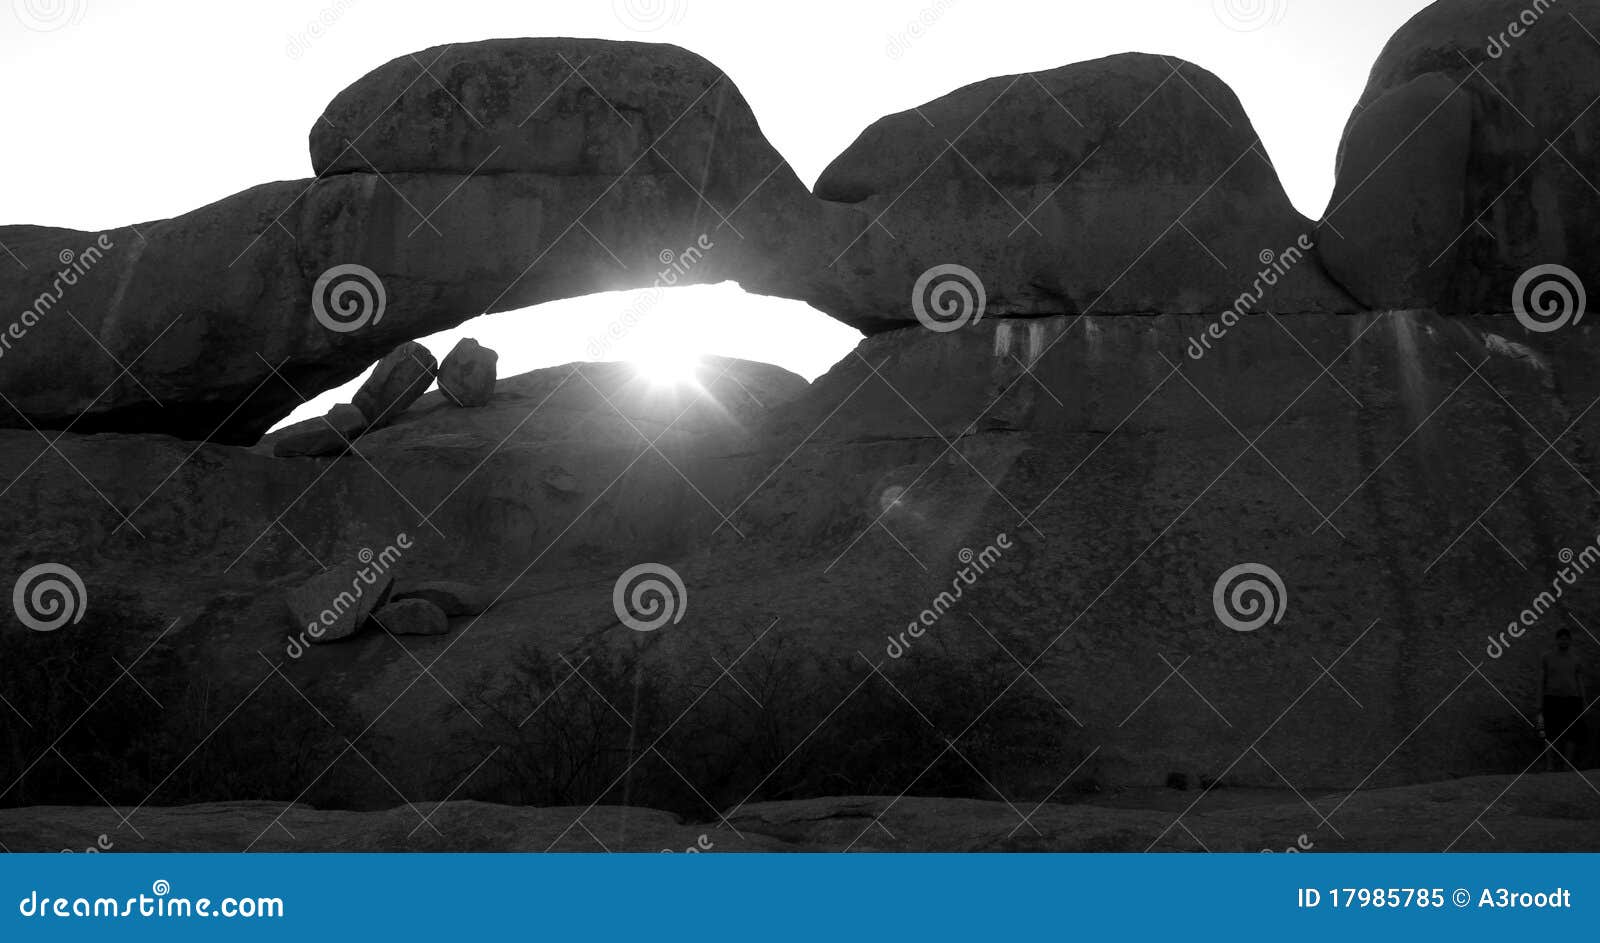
399, 380
467, 374
1471, 158
1133, 184
323, 438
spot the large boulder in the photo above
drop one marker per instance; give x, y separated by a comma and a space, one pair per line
1471, 158
229, 317
1396, 212
467, 373
337, 602
1131, 184
398, 380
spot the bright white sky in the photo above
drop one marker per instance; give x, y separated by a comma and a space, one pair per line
143, 110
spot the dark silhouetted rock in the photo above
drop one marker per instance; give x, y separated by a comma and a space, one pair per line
412, 617
398, 380
453, 598
325, 437
1397, 208
334, 604
704, 199
1526, 178
1131, 184
467, 373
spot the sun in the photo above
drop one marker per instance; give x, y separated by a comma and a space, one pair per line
668, 368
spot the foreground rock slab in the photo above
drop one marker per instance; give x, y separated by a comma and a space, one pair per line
1538, 812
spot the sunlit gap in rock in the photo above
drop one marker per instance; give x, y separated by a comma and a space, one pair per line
667, 333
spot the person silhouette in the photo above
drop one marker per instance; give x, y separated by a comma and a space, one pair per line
1562, 697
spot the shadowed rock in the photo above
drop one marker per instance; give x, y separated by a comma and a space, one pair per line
467, 374
412, 617
452, 597
1471, 157
398, 380
1130, 184
329, 436
335, 604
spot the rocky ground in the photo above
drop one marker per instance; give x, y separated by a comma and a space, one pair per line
1537, 812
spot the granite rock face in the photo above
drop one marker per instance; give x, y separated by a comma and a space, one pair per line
1484, 108
1132, 184
1125, 488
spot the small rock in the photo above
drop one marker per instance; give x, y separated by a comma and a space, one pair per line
412, 617
453, 598
334, 604
399, 378
467, 375
325, 438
